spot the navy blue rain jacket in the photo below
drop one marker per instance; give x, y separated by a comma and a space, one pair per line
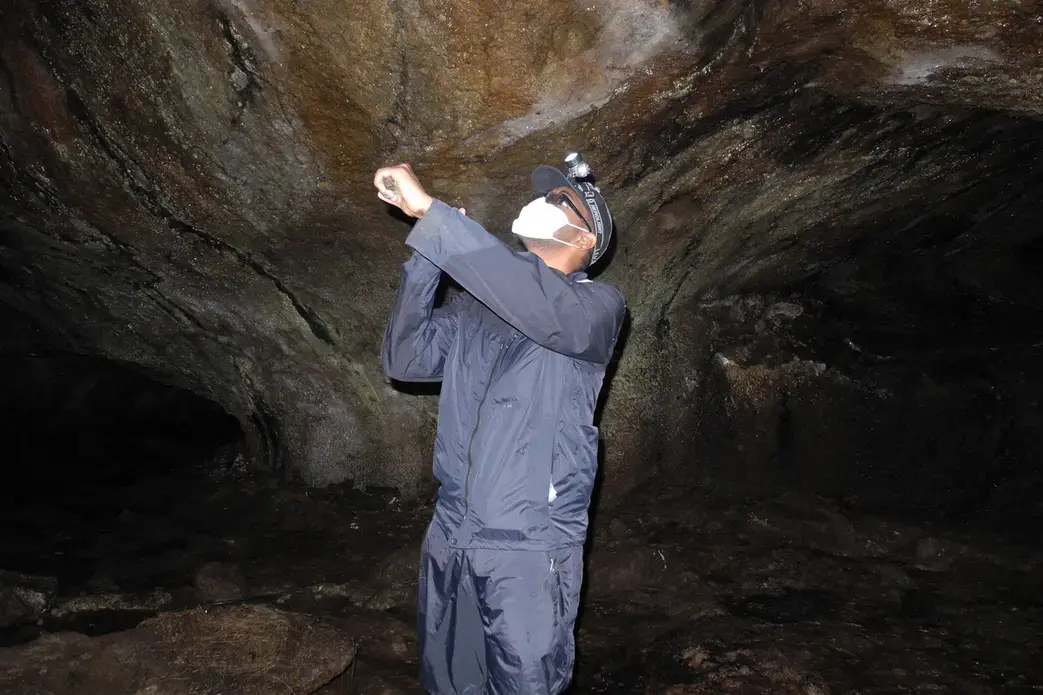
521, 356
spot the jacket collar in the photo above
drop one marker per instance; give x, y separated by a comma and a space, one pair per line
578, 276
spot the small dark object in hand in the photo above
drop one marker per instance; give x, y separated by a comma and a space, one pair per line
390, 193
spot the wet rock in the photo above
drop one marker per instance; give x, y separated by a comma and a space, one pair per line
241, 649
357, 593
388, 597
137, 602
744, 308
13, 609
393, 582
215, 582
401, 566
23, 597
783, 310
370, 594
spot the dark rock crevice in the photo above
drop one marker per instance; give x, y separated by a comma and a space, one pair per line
244, 75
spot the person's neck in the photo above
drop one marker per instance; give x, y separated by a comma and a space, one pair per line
560, 262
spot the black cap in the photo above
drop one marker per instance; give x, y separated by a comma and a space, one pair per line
547, 178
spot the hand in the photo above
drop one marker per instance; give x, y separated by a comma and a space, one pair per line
398, 185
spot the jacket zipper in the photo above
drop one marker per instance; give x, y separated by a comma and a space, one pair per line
477, 424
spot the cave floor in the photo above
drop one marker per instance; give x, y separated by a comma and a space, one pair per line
684, 594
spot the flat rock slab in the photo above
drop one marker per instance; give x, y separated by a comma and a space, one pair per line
232, 650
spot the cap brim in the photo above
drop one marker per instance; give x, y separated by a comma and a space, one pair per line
545, 179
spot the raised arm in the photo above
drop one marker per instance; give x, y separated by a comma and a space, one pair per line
418, 336
578, 319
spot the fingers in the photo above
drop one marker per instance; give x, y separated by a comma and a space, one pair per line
397, 185
393, 172
387, 185
394, 177
378, 177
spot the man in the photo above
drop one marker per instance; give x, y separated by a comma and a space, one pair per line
521, 355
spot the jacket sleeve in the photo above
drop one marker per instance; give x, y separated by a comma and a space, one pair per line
418, 336
578, 319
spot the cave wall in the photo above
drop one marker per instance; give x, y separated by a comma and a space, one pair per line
187, 187
790, 401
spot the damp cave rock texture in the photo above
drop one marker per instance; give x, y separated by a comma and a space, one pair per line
186, 187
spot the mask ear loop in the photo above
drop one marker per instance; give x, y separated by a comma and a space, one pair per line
569, 224
572, 206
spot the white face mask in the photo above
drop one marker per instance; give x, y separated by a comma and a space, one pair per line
539, 220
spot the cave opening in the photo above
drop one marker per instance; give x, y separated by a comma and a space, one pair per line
103, 462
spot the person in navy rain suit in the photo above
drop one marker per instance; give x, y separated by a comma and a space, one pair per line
521, 353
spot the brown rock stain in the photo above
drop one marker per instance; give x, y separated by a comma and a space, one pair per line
341, 72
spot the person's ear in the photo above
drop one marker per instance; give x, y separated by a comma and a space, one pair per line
586, 241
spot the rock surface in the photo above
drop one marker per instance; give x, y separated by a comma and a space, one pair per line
186, 187
247, 650
24, 598
218, 582
686, 593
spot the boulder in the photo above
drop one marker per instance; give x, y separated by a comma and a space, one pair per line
235, 650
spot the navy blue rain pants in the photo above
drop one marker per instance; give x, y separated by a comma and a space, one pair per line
496, 622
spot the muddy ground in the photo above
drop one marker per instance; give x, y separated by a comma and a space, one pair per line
686, 593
